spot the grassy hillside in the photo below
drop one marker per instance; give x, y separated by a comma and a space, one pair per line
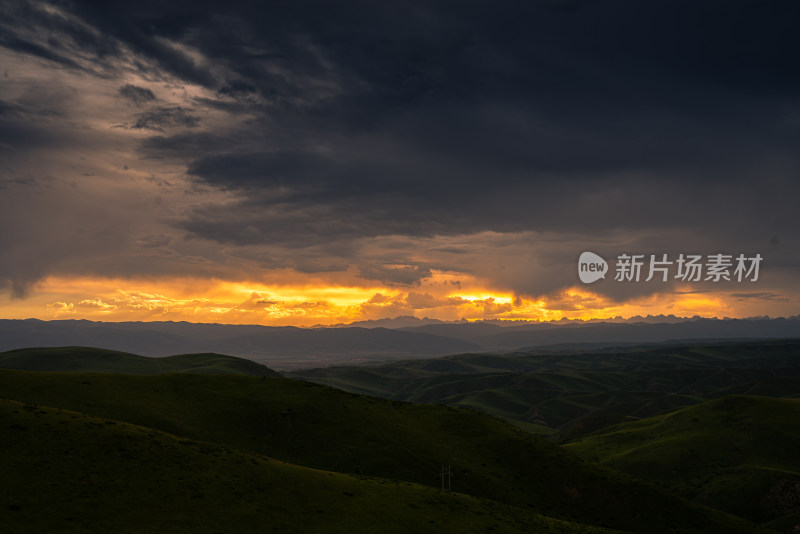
570, 394
87, 359
736, 453
310, 425
64, 471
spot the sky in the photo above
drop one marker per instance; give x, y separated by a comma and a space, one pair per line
317, 162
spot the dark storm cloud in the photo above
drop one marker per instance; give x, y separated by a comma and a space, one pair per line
137, 95
508, 92
766, 296
39, 235
53, 35
8, 109
666, 118
165, 117
665, 124
395, 275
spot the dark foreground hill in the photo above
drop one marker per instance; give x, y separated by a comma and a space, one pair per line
737, 453
64, 471
91, 360
326, 429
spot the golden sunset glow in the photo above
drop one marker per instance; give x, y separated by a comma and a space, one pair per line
220, 301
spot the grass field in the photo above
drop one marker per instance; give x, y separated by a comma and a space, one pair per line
737, 453
568, 394
313, 426
64, 471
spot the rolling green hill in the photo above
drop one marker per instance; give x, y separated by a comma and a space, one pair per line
568, 394
322, 428
64, 471
737, 454
87, 359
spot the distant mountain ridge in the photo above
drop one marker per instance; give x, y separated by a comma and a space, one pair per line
404, 321
293, 348
285, 346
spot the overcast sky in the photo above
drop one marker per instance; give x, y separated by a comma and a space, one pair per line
304, 162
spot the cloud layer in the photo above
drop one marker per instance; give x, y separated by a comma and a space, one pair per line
372, 143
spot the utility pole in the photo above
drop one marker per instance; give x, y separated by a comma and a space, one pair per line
446, 472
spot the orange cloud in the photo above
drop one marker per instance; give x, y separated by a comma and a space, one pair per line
219, 301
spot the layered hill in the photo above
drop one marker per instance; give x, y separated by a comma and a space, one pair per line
313, 426
65, 471
737, 453
576, 392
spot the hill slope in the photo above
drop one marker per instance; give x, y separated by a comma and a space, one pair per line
68, 472
310, 425
578, 392
91, 360
736, 453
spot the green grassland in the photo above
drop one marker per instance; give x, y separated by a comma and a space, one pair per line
738, 453
317, 427
64, 471
87, 359
569, 394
